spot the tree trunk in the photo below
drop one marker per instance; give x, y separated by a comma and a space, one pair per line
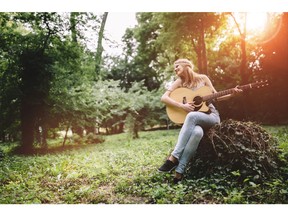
243, 67
3, 136
197, 49
98, 57
200, 48
66, 135
27, 126
44, 136
73, 22
203, 50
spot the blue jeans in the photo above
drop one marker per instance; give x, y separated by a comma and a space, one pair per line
190, 135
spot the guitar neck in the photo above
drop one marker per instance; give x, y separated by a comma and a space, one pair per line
227, 92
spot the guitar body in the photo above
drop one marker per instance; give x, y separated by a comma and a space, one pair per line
185, 95
201, 97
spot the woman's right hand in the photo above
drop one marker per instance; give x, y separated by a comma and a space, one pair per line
188, 107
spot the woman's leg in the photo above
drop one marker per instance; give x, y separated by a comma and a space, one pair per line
186, 136
190, 148
192, 119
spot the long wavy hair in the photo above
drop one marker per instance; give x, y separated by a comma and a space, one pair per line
190, 79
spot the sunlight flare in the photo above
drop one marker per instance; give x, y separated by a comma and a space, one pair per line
256, 21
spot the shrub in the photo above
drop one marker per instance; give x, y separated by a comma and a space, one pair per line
77, 139
92, 138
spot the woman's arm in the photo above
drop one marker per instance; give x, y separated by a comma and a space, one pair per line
236, 90
166, 96
188, 107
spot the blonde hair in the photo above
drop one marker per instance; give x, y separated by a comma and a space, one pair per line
190, 79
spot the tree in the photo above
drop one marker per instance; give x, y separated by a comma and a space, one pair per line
242, 33
140, 61
98, 56
38, 53
274, 63
73, 24
28, 68
9, 91
35, 74
188, 33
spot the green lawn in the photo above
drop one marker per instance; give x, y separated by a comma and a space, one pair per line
122, 170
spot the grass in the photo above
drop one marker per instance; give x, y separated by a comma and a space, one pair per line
121, 170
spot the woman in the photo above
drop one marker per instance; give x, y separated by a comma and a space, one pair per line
195, 122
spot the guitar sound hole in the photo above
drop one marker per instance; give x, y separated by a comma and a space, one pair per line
198, 100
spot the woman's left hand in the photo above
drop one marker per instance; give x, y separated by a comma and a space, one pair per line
236, 91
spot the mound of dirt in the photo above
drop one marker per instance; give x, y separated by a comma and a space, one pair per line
232, 146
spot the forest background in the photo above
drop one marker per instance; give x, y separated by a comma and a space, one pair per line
51, 80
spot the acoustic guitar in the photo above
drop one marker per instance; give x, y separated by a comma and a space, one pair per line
201, 98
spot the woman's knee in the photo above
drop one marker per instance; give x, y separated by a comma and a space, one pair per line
198, 132
191, 116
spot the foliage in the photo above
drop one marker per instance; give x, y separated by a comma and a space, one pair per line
92, 138
139, 62
41, 64
103, 104
39, 36
47, 71
144, 108
122, 170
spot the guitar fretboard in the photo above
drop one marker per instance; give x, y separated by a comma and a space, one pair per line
230, 91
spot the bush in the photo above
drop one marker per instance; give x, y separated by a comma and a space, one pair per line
77, 139
92, 138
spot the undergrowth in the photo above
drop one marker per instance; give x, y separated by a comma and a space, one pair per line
123, 170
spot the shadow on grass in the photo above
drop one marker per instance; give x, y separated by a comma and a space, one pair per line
49, 150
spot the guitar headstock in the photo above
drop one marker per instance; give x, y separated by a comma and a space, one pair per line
259, 84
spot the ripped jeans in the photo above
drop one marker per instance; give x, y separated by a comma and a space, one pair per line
190, 135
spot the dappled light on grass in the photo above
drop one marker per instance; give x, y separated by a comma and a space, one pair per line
121, 170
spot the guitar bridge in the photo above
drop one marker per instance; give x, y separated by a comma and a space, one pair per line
184, 101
